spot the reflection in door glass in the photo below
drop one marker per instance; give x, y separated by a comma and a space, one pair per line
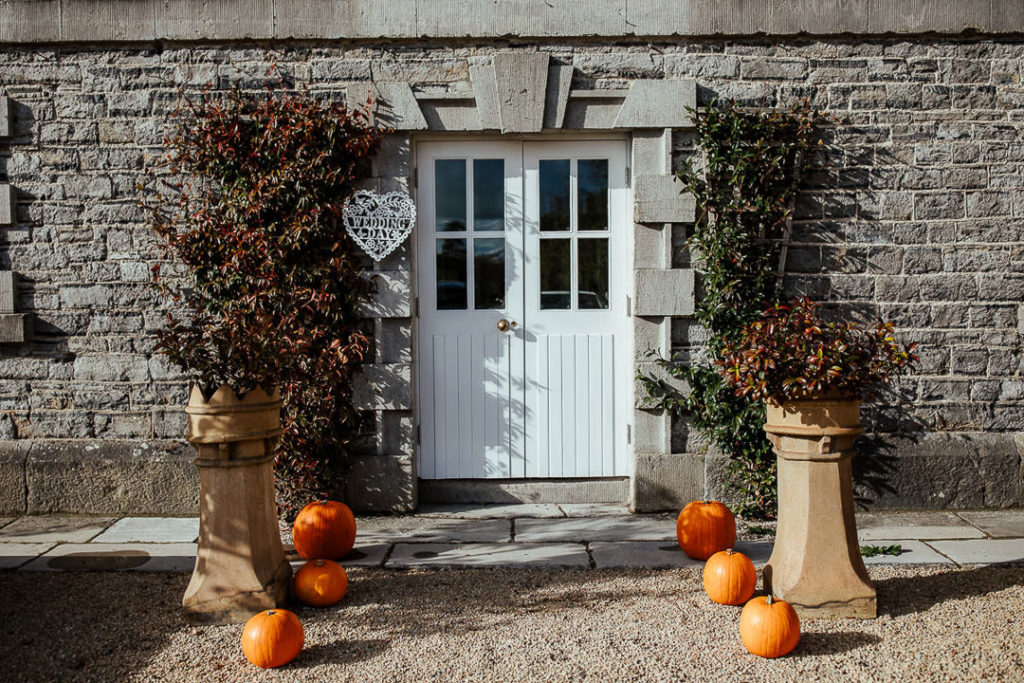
451, 274
450, 194
554, 194
592, 276
555, 269
489, 194
488, 273
592, 189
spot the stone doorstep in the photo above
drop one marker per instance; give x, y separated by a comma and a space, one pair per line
54, 529
424, 530
507, 555
150, 557
470, 511
583, 529
151, 530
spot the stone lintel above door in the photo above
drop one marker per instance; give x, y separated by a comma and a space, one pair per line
527, 92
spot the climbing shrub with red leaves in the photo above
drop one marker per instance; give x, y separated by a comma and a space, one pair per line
275, 283
791, 353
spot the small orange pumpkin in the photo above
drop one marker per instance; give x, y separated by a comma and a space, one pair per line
769, 628
320, 583
705, 527
325, 529
272, 638
729, 577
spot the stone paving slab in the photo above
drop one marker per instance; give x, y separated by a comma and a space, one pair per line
151, 530
148, 557
13, 555
640, 554
362, 555
873, 526
547, 510
433, 530
997, 523
911, 552
593, 510
757, 551
982, 551
585, 529
527, 556
4, 521
54, 529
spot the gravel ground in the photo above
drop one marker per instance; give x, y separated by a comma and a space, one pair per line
510, 625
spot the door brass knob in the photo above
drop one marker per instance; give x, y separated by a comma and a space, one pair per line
505, 325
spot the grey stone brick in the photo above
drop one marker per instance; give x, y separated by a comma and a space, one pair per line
938, 205
382, 483
112, 367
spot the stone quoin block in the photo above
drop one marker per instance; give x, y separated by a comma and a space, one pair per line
660, 199
381, 483
14, 328
6, 117
389, 295
652, 246
652, 431
664, 292
667, 481
8, 205
383, 386
8, 285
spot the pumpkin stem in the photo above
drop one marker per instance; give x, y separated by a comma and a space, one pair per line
769, 600
270, 612
730, 551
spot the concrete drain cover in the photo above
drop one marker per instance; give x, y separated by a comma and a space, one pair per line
424, 554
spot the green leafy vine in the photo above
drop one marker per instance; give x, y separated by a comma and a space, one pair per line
744, 180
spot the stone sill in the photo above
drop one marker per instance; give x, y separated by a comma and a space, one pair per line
98, 21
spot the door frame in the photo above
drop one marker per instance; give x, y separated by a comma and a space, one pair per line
624, 356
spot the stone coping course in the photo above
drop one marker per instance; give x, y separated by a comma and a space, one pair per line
530, 536
71, 21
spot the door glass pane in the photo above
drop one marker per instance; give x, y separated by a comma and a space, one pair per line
451, 274
450, 194
555, 272
593, 273
489, 194
489, 273
554, 194
593, 194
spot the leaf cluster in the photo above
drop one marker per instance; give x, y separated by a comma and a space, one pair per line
744, 182
253, 188
790, 353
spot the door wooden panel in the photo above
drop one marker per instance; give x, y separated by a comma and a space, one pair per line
547, 396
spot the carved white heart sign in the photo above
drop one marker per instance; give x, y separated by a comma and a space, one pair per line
379, 223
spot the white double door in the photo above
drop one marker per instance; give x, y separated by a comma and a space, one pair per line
523, 262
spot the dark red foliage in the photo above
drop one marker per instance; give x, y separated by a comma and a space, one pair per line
276, 283
791, 353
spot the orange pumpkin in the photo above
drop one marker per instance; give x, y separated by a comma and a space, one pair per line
325, 529
705, 527
769, 628
272, 638
729, 578
320, 583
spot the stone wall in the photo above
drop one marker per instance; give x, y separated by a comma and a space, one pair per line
916, 213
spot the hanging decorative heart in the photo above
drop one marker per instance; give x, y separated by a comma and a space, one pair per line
379, 223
